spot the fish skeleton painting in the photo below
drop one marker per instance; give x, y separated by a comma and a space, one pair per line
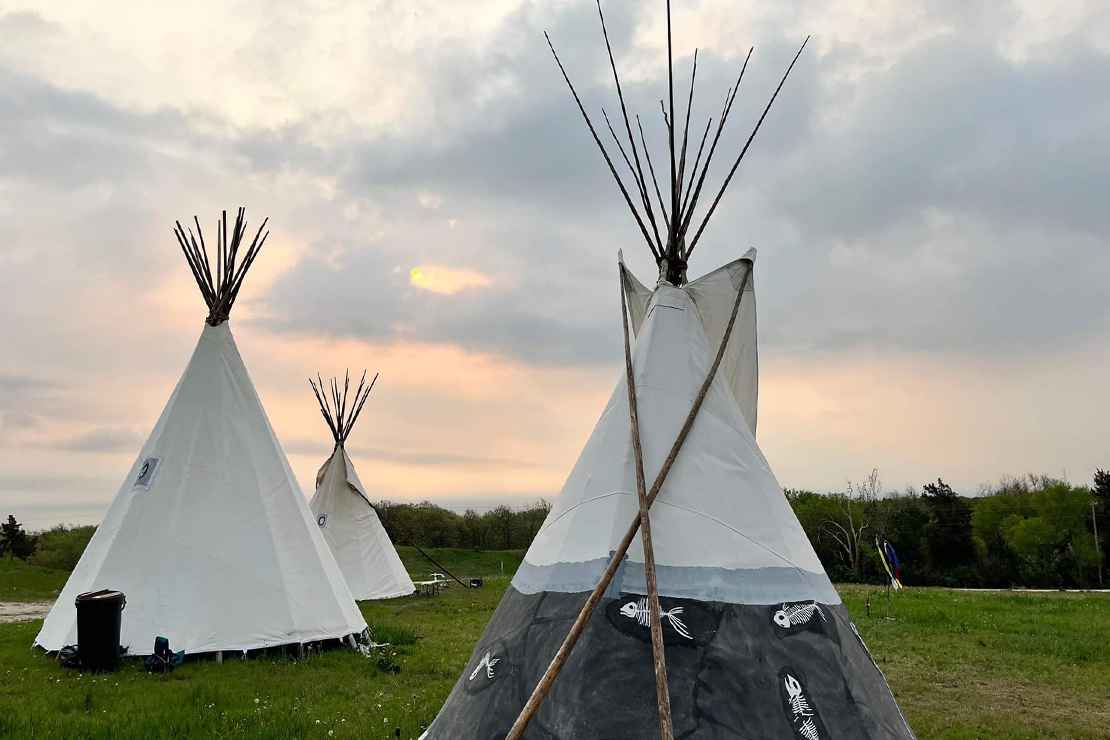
639, 611
797, 615
488, 662
801, 714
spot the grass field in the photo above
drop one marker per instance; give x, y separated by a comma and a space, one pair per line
461, 563
22, 582
963, 665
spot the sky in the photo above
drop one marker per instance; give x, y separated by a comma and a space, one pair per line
928, 197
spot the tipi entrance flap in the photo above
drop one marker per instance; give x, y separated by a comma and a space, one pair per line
221, 552
354, 483
349, 474
637, 296
713, 294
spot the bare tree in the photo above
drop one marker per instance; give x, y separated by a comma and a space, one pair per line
847, 529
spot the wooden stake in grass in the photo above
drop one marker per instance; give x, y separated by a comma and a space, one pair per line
543, 688
662, 695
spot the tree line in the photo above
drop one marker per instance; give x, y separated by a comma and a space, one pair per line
1034, 531
428, 525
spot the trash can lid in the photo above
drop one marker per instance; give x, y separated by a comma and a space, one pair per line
104, 594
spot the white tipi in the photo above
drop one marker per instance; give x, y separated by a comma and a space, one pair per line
343, 511
671, 564
210, 537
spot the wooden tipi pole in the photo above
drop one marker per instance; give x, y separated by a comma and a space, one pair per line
662, 694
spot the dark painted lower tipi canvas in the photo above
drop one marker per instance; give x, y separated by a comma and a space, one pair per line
758, 644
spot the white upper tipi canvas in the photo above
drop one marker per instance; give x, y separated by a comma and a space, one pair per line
723, 530
209, 537
354, 533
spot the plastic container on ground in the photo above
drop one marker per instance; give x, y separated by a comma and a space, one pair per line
99, 614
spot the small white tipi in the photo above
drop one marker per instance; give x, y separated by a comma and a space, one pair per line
343, 511
210, 537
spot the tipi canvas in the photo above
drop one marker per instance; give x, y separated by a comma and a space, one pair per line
210, 537
671, 591
343, 511
752, 625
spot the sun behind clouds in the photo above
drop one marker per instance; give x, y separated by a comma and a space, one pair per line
446, 280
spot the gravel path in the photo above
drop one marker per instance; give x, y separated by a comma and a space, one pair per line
23, 611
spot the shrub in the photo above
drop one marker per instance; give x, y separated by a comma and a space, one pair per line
61, 547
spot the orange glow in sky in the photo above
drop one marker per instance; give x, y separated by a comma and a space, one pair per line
446, 280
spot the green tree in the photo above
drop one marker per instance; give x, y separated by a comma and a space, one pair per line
472, 530
1102, 513
504, 523
948, 535
61, 547
14, 541
904, 520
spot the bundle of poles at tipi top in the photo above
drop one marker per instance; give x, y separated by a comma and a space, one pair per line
671, 255
340, 416
670, 247
221, 289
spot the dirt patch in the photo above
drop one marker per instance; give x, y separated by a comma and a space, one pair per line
23, 611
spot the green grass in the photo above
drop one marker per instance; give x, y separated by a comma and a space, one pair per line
338, 691
963, 665
992, 665
461, 562
22, 582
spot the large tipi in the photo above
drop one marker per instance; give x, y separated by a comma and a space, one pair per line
671, 565
210, 537
342, 508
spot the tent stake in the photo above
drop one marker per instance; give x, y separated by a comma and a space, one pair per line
658, 654
548, 679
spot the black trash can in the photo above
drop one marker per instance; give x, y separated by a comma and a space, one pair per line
98, 625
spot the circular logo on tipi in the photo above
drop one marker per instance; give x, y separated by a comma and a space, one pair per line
322, 520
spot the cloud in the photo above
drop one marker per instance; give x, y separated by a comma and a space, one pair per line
415, 458
14, 385
954, 208
110, 440
24, 402
17, 421
908, 207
